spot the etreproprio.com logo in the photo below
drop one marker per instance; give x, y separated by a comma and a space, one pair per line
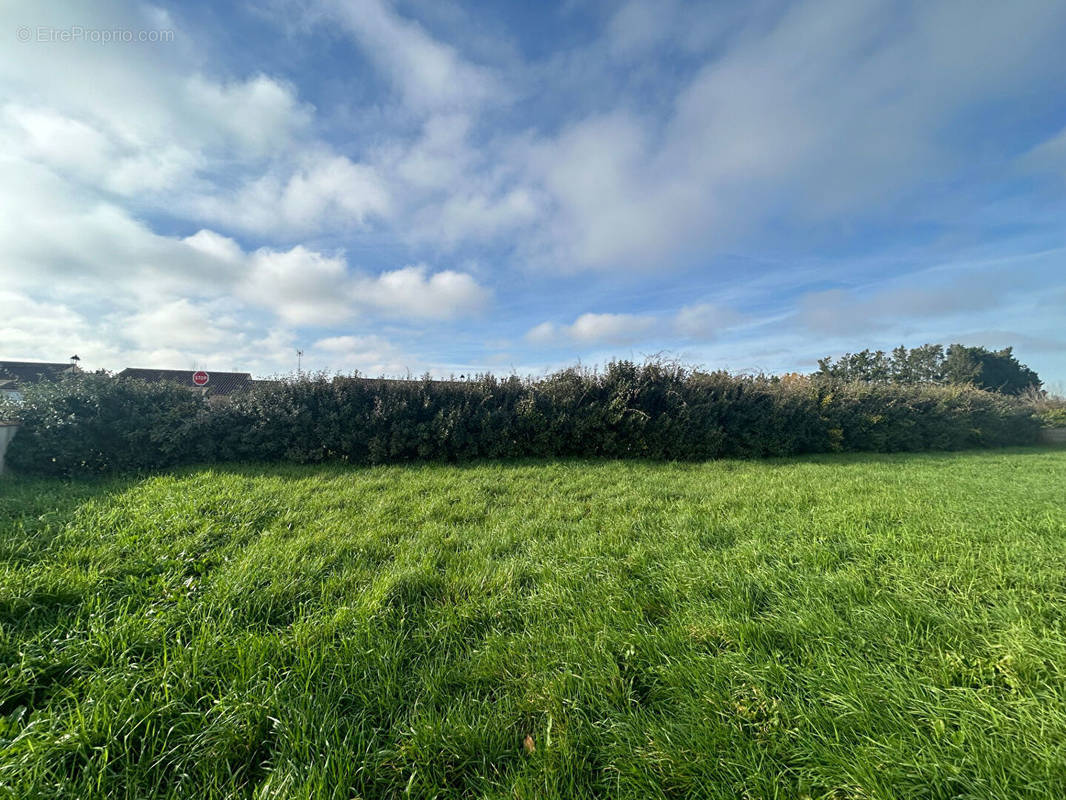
79, 33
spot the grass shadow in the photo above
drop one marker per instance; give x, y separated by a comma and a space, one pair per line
298, 471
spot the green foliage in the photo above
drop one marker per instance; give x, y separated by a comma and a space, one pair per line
657, 410
853, 626
1053, 417
92, 423
1049, 409
994, 371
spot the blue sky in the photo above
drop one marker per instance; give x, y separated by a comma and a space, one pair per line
428, 185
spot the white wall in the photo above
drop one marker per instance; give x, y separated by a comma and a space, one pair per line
7, 433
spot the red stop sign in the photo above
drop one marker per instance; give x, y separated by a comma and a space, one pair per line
200, 378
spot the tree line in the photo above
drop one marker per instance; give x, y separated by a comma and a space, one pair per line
991, 370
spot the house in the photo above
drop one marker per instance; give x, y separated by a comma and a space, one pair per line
214, 384
14, 374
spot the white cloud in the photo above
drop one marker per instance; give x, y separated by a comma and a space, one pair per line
33, 329
430, 74
257, 115
149, 125
594, 329
545, 333
441, 156
307, 288
325, 191
814, 115
170, 143
413, 291
301, 286
51, 232
477, 216
182, 325
369, 354
699, 322
215, 246
181, 334
611, 205
704, 320
610, 328
454, 192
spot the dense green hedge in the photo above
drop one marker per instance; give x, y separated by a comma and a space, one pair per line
93, 423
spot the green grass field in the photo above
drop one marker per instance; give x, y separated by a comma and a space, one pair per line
827, 627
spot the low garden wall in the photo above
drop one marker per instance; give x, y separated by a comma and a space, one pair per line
7, 433
1053, 436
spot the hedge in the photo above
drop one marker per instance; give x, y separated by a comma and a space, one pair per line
94, 423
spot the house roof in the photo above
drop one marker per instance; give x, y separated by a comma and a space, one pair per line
219, 383
32, 371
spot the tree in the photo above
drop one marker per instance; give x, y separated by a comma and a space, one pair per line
992, 370
863, 366
923, 364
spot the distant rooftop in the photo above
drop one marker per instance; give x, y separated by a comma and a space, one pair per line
218, 383
32, 371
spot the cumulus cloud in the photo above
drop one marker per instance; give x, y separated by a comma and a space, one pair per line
182, 324
177, 129
90, 155
413, 291
308, 288
455, 191
324, 191
51, 232
301, 286
102, 283
33, 329
258, 115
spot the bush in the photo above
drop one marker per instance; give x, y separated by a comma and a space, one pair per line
93, 423
658, 410
1049, 409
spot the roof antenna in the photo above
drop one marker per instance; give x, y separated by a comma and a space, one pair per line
299, 361
74, 359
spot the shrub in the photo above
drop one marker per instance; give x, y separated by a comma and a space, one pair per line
1049, 409
656, 410
93, 423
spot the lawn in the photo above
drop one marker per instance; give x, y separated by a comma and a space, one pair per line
825, 627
